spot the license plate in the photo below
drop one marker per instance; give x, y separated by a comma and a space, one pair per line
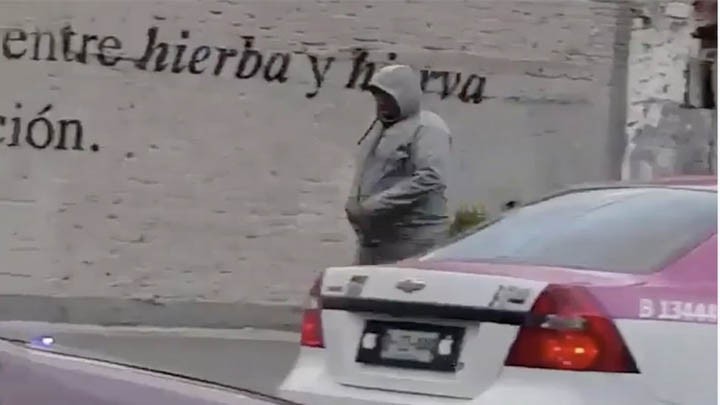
410, 345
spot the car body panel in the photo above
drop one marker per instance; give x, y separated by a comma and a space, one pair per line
382, 282
687, 180
662, 380
32, 376
365, 284
624, 296
311, 382
677, 359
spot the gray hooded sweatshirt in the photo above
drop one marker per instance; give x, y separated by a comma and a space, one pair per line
402, 174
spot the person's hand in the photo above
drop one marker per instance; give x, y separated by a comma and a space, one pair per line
353, 210
355, 213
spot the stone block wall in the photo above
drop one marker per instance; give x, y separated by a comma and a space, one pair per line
202, 150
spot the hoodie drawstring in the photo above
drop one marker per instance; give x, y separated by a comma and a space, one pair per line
362, 138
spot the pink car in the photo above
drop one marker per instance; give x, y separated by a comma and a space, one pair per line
596, 295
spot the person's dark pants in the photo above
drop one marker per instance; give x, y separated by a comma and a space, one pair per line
383, 252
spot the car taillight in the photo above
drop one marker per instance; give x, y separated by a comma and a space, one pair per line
311, 334
568, 330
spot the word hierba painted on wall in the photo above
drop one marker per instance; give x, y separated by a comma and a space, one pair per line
67, 45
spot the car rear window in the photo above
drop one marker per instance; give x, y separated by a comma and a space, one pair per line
629, 230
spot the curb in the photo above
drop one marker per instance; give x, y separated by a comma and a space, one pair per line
139, 312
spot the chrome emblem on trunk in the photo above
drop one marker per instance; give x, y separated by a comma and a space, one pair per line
410, 285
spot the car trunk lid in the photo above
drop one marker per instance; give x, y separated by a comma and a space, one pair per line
448, 331
477, 316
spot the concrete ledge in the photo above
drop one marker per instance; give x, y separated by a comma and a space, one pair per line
136, 312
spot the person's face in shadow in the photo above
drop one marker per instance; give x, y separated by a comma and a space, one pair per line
387, 109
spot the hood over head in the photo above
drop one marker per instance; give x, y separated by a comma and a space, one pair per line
403, 84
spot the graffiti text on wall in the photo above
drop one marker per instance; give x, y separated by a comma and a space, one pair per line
41, 132
244, 63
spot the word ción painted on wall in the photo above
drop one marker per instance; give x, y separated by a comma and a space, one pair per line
245, 62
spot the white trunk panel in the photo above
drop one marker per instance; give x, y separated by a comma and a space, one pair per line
484, 347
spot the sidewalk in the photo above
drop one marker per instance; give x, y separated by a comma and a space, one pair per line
136, 312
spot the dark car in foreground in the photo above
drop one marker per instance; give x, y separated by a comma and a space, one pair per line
39, 376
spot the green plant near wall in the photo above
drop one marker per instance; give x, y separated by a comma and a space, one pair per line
466, 217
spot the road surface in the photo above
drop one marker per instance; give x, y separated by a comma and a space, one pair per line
254, 359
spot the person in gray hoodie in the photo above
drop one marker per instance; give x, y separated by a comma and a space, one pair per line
397, 204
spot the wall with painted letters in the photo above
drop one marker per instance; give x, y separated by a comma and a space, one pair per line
203, 149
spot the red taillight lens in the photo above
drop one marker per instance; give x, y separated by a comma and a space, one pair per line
311, 330
568, 330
